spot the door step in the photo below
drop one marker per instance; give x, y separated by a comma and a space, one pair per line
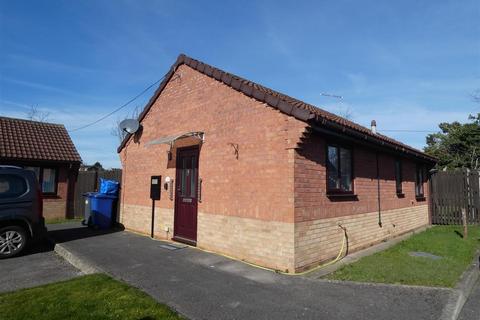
185, 240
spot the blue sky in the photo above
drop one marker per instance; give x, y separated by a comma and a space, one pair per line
408, 64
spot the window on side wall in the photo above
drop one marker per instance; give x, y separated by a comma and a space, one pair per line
339, 170
47, 178
398, 176
419, 180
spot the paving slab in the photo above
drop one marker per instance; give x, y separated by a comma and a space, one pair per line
202, 285
38, 265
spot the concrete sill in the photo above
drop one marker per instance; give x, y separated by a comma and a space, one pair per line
342, 196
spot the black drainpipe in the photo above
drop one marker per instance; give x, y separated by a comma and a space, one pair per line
378, 193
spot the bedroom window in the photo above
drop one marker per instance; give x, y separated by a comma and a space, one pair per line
47, 178
398, 176
339, 170
419, 180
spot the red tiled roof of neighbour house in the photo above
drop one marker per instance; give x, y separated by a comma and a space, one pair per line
286, 104
31, 140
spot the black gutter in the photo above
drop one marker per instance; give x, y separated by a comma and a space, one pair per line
345, 134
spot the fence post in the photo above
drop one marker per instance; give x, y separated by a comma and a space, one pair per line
465, 226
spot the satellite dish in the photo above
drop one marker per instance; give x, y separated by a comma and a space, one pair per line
129, 125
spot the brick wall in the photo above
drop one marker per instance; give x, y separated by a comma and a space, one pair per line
320, 240
317, 235
268, 206
267, 243
311, 201
139, 219
56, 206
256, 185
249, 200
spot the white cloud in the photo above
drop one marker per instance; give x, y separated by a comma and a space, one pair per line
51, 66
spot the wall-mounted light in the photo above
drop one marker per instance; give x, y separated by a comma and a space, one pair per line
166, 183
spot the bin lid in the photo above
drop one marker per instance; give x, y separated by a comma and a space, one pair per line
88, 194
99, 195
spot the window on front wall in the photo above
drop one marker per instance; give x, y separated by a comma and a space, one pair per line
419, 180
398, 176
339, 169
47, 178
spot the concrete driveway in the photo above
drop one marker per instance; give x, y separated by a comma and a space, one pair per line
36, 266
201, 285
471, 309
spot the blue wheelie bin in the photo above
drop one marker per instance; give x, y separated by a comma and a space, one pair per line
101, 209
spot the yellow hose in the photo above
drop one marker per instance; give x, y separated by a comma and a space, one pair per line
344, 241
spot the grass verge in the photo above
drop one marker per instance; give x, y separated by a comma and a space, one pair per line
395, 265
89, 297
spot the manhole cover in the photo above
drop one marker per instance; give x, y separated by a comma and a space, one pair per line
424, 255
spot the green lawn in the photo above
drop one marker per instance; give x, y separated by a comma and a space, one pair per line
88, 297
395, 265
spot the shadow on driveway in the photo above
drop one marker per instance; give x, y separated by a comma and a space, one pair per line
66, 232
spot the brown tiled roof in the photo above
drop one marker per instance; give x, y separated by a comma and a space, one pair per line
31, 140
286, 104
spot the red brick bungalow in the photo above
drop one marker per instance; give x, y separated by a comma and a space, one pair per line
264, 177
47, 149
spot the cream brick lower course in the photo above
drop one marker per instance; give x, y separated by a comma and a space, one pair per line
267, 243
139, 218
320, 240
271, 243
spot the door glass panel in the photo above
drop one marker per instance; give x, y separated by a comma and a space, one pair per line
183, 181
193, 178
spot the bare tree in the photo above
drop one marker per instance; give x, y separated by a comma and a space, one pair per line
37, 115
346, 113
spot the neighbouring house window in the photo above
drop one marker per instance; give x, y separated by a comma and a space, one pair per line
419, 179
47, 178
339, 169
398, 175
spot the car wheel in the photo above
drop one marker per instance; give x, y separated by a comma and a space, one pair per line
13, 240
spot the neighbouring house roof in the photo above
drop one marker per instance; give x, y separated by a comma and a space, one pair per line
31, 140
286, 104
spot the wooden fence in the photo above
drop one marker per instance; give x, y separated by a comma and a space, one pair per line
455, 192
89, 181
